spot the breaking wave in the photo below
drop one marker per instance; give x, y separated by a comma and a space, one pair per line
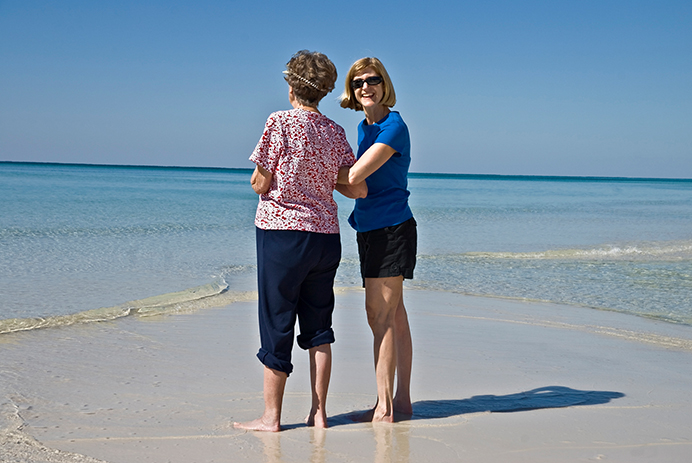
214, 294
660, 251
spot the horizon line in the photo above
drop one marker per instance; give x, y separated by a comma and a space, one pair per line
413, 174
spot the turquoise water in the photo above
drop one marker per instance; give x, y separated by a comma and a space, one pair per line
76, 238
614, 244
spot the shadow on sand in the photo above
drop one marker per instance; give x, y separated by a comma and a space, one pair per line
536, 399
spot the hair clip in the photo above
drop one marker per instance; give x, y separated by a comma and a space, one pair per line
303, 79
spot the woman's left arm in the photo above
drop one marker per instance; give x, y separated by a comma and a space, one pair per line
369, 162
261, 180
359, 190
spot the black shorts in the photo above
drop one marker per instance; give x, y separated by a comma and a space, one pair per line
388, 251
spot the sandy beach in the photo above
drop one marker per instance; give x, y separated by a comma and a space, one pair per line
493, 380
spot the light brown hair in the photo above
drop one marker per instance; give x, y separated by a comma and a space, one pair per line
348, 98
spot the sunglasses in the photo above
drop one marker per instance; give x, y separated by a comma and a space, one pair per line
372, 80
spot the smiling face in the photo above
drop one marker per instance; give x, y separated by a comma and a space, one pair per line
368, 96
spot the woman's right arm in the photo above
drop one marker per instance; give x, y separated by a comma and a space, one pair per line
261, 180
359, 190
369, 162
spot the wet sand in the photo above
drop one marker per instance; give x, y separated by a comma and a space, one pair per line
493, 380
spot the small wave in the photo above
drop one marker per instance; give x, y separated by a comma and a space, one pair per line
678, 250
214, 294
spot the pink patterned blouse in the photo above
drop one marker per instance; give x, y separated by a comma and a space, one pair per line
304, 151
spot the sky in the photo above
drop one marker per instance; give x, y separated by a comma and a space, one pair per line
575, 88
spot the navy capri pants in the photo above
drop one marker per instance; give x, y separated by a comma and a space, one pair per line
295, 279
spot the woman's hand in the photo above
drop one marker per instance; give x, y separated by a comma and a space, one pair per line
359, 190
261, 180
369, 162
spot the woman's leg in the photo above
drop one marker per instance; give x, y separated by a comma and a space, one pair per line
320, 371
382, 298
315, 310
274, 385
404, 360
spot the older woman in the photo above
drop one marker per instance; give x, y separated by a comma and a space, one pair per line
386, 229
297, 162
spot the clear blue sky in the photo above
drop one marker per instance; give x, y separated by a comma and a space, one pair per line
585, 88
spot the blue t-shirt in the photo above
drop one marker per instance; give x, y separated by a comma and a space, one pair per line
387, 201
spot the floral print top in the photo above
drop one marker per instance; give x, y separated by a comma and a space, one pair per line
304, 151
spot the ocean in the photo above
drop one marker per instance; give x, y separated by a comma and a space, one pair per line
81, 243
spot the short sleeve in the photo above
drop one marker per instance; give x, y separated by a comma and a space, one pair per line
270, 147
394, 134
346, 153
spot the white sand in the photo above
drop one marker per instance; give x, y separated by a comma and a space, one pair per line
494, 380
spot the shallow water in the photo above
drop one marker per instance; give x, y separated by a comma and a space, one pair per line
76, 238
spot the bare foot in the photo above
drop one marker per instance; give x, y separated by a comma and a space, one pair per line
382, 416
316, 419
403, 406
362, 417
258, 425
372, 416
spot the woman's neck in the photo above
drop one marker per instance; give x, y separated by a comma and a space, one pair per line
312, 109
375, 114
297, 105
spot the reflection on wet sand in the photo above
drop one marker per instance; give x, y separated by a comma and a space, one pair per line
391, 443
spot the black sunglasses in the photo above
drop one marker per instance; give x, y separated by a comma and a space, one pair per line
372, 80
